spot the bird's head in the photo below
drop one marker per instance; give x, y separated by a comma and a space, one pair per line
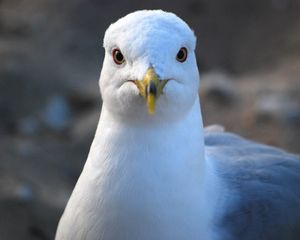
149, 69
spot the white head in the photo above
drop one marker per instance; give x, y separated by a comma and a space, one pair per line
137, 42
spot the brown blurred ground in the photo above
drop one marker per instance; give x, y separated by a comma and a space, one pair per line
50, 58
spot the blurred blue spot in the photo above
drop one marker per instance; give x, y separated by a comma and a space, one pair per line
57, 114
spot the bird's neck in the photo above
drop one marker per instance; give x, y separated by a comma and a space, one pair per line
153, 176
166, 142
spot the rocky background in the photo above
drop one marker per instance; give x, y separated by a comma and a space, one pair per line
50, 58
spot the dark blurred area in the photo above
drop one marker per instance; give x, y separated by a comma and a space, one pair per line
50, 58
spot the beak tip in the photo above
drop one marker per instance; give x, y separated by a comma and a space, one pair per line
151, 99
151, 112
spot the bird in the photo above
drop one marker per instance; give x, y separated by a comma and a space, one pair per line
154, 172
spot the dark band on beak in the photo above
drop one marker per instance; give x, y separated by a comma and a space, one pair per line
152, 89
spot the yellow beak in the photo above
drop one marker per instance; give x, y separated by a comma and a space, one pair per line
151, 87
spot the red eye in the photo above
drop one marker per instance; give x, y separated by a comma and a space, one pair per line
118, 56
181, 55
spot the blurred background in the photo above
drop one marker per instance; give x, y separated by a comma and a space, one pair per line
50, 58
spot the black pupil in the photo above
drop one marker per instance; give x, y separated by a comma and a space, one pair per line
180, 54
119, 56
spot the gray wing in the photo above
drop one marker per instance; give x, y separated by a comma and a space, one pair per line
262, 196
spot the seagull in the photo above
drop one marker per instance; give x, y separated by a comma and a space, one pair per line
154, 172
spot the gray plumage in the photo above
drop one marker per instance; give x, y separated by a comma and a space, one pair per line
261, 199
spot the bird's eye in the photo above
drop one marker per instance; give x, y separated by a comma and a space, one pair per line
181, 55
118, 56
